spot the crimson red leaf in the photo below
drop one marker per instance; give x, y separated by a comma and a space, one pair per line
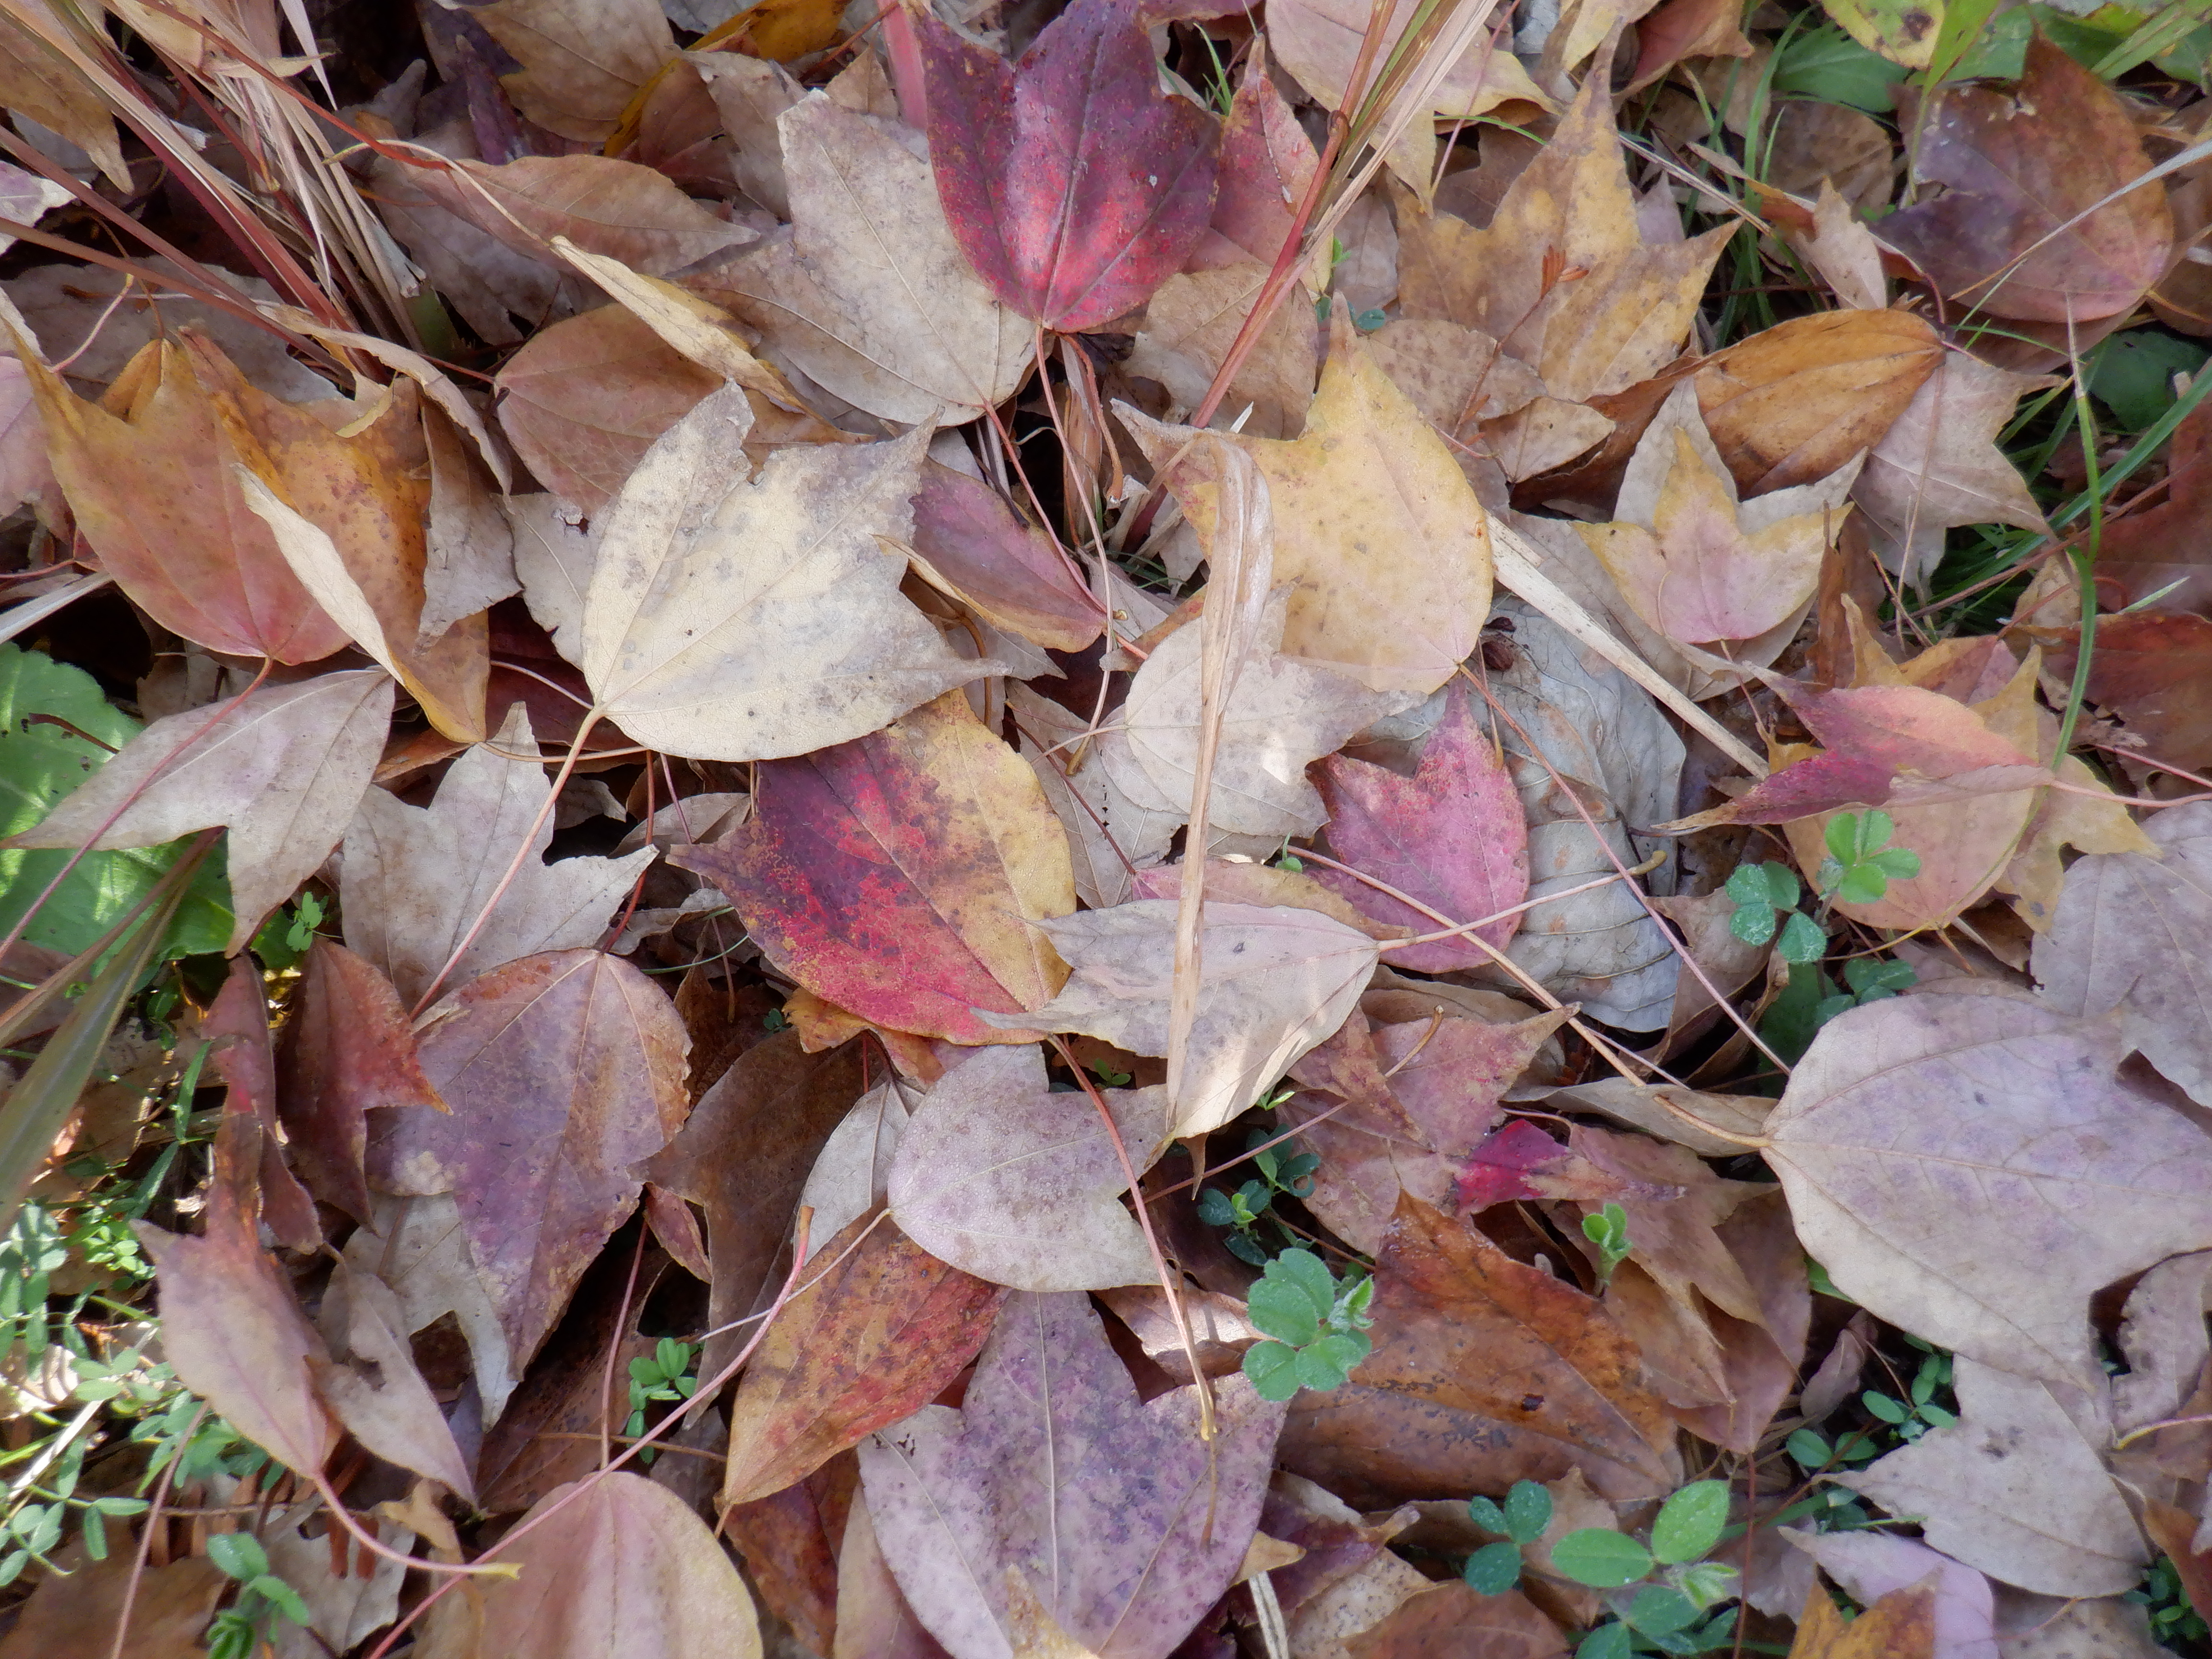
1074, 185
1452, 835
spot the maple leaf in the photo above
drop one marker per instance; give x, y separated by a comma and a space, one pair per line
1075, 184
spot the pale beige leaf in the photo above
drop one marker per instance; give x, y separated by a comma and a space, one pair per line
1456, 376
1012, 1183
556, 552
1191, 321
1280, 716
1274, 982
583, 61
1918, 1130
869, 295
2131, 934
1939, 465
704, 333
740, 617
283, 768
373, 1385
2014, 1490
617, 1567
751, 94
414, 878
852, 1169
619, 208
1544, 432
468, 544
417, 1245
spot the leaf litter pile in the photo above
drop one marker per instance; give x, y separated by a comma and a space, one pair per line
1138, 829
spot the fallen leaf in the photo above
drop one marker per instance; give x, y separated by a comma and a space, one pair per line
1871, 1565
153, 485
1898, 1175
1900, 1626
585, 399
1798, 402
1463, 1327
1280, 716
283, 768
36, 82
852, 1169
1124, 1525
373, 1386
230, 1325
1192, 322
2013, 166
1109, 836
1074, 183
561, 1071
869, 294
345, 1049
1022, 1187
2125, 937
617, 1568
881, 1333
2150, 669
237, 1028
1376, 526
1696, 564
790, 1543
1939, 464
704, 569
1273, 982
2014, 1489
418, 1246
618, 209
1619, 322
74, 1610
969, 539
2152, 548
1443, 1617
581, 66
418, 879
1267, 165
912, 919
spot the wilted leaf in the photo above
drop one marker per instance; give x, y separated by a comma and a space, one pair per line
155, 491
2154, 670
2155, 547
886, 1327
734, 617
2014, 1489
1021, 1186
416, 879
969, 539
1939, 465
1900, 1169
1267, 164
2014, 166
2128, 936
620, 1569
1461, 1326
898, 876
373, 1386
230, 1324
1280, 717
1440, 1617
419, 1247
283, 768
1073, 181
1273, 983
1799, 401
563, 1071
1124, 1525
869, 295
1379, 534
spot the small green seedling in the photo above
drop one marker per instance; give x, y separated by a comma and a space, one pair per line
237, 1631
1283, 1170
1608, 1229
1907, 1419
1673, 1587
1765, 897
285, 937
1496, 1568
1316, 1322
1860, 863
663, 1374
2174, 1620
1869, 979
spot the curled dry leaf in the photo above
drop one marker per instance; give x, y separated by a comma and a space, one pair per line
968, 540
2014, 1489
1073, 181
1900, 1169
1273, 983
868, 295
373, 1387
735, 616
282, 767
563, 1071
851, 1170
899, 876
616, 1567
2128, 936
1120, 1522
1015, 1184
876, 1337
416, 879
